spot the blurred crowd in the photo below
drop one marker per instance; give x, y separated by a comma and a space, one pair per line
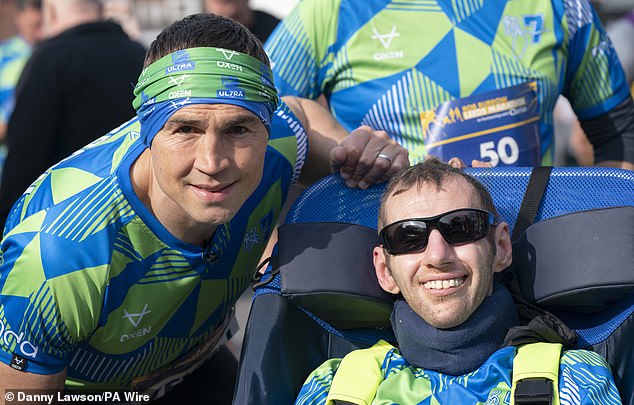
22, 23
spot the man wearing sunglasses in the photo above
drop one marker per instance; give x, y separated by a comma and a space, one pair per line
440, 245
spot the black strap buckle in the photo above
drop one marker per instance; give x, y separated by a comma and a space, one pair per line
258, 278
534, 391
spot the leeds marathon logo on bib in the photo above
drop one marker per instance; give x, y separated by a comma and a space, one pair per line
500, 127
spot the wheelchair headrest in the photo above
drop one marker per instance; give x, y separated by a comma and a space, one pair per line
284, 343
326, 268
579, 262
577, 257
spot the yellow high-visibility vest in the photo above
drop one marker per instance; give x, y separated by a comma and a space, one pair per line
359, 374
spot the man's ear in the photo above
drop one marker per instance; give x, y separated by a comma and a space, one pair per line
382, 272
503, 248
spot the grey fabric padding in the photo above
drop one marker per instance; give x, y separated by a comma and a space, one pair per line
327, 269
581, 261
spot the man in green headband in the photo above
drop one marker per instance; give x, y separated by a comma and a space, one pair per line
121, 264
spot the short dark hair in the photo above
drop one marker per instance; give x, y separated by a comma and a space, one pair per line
205, 30
435, 172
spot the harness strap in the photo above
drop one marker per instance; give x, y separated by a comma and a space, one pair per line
358, 376
536, 374
532, 200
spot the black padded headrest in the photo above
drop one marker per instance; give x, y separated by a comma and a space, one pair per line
327, 268
578, 262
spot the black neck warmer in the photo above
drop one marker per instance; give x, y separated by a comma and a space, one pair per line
459, 350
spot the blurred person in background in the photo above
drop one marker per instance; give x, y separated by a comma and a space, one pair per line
123, 12
260, 23
572, 146
85, 65
8, 10
14, 52
621, 32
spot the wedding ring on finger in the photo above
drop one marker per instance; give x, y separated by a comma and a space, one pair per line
385, 156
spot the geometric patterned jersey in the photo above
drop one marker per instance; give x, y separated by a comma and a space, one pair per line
90, 281
401, 66
584, 379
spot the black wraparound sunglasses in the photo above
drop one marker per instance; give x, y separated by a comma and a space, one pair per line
457, 226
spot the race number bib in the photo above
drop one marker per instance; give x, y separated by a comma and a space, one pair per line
500, 127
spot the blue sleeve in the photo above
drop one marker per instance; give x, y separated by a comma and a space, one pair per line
51, 292
585, 378
595, 81
289, 138
317, 385
30, 320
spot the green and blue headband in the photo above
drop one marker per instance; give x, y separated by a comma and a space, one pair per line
202, 76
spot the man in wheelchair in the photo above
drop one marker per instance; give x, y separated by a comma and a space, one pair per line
440, 246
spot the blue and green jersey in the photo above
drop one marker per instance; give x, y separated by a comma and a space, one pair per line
584, 378
92, 283
467, 78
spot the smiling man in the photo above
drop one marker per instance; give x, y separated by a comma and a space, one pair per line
447, 282
441, 244
122, 263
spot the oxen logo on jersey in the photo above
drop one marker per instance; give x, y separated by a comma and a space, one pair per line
525, 31
386, 41
135, 319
